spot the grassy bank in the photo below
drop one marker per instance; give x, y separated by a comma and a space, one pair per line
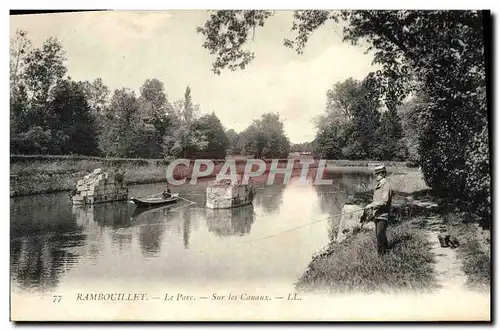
476, 260
354, 265
45, 175
474, 251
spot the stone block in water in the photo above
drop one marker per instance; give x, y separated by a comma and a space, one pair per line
99, 186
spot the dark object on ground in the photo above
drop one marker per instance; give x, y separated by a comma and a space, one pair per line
443, 241
448, 241
453, 241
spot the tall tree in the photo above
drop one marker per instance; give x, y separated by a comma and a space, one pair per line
445, 50
185, 140
389, 137
44, 68
266, 138
360, 132
97, 94
409, 113
340, 99
234, 144
70, 120
156, 112
126, 135
68, 127
217, 141
153, 94
348, 129
20, 47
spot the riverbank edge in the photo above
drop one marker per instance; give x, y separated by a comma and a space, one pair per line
409, 230
44, 174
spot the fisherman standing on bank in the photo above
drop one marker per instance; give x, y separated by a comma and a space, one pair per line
380, 208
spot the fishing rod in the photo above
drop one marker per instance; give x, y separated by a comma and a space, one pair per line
301, 226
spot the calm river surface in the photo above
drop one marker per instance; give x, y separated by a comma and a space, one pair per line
56, 246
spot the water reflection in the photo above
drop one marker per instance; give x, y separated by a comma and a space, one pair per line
270, 198
189, 219
114, 215
230, 222
44, 238
151, 230
41, 215
186, 228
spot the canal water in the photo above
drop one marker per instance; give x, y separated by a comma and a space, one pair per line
56, 246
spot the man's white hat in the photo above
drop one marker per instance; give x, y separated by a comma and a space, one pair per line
380, 168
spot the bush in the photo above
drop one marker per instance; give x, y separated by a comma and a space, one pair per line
478, 181
412, 164
35, 140
475, 255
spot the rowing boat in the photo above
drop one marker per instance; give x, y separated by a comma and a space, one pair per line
155, 200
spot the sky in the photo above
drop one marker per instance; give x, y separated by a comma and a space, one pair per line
125, 48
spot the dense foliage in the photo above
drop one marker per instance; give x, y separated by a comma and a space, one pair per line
265, 138
355, 126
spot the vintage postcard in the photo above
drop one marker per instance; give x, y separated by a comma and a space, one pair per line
250, 165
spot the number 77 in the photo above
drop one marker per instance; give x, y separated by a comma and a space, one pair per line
56, 298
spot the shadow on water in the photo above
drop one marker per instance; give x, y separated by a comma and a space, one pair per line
42, 214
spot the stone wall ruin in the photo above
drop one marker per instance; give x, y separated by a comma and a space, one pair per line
100, 186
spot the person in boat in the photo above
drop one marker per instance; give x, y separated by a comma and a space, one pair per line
379, 210
167, 193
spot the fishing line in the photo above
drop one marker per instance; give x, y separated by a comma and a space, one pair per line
297, 227
186, 199
292, 229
